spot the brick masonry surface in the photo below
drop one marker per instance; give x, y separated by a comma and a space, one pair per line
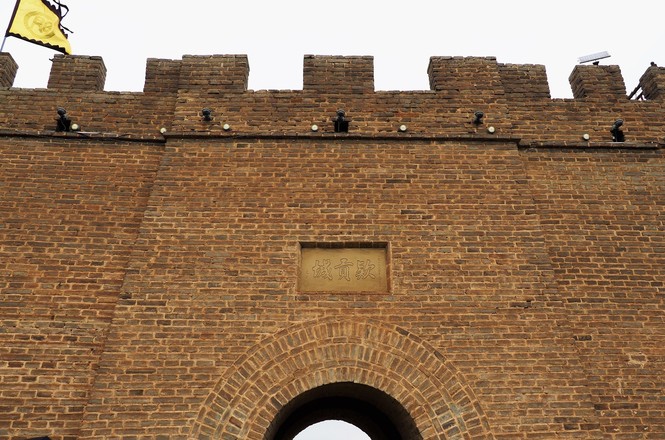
149, 260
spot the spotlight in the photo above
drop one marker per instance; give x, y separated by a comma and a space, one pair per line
341, 124
478, 117
402, 128
226, 127
617, 134
63, 122
207, 114
315, 127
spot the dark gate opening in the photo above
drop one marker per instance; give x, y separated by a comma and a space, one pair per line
376, 413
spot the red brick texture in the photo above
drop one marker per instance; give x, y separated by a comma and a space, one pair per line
339, 350
77, 73
604, 83
149, 281
70, 212
8, 69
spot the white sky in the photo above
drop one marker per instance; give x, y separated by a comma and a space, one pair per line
332, 430
401, 35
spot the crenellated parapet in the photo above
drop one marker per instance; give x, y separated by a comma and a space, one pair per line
8, 69
214, 74
524, 82
652, 83
82, 74
200, 74
338, 75
162, 76
603, 83
459, 78
515, 100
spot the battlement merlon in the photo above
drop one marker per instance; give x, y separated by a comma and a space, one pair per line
338, 75
452, 77
597, 82
80, 73
653, 83
8, 69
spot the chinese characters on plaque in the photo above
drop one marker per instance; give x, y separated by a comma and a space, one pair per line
343, 270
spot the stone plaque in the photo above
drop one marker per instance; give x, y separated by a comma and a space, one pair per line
352, 269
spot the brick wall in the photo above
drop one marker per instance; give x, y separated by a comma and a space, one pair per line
602, 213
149, 281
70, 212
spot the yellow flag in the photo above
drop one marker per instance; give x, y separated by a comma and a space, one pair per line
37, 21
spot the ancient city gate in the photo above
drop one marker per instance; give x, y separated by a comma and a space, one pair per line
199, 260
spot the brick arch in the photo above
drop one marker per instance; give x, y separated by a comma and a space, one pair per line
247, 399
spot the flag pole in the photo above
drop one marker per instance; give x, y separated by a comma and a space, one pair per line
11, 20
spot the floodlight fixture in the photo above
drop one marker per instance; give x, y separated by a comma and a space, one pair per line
341, 124
594, 57
63, 122
618, 123
478, 117
207, 114
617, 133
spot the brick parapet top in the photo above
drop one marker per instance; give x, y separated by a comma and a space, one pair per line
598, 82
81, 73
8, 69
514, 98
652, 83
482, 77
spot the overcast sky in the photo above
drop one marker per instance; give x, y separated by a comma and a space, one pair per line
332, 430
401, 35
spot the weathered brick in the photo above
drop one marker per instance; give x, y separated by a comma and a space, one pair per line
149, 282
80, 73
8, 69
597, 82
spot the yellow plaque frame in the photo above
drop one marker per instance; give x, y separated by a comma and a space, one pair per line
343, 268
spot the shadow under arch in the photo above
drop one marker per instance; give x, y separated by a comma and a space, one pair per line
374, 412
249, 401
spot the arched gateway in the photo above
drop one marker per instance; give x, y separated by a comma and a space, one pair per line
385, 380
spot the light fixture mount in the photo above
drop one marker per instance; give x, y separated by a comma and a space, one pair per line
593, 58
340, 123
63, 122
